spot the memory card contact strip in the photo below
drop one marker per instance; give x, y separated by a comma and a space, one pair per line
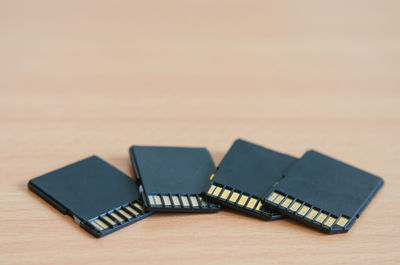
177, 201
117, 217
307, 212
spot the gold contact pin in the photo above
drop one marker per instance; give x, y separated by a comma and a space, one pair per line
273, 196
185, 201
225, 194
116, 216
342, 221
330, 221
96, 225
211, 189
157, 200
139, 206
101, 223
217, 191
194, 201
132, 210
151, 199
175, 200
311, 214
252, 203
167, 201
243, 199
279, 199
108, 219
286, 202
259, 206
295, 206
234, 197
127, 215
303, 210
321, 217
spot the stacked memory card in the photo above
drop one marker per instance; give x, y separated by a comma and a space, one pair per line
316, 190
323, 193
244, 177
172, 179
102, 199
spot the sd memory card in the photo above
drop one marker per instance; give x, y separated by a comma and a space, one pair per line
99, 197
172, 179
245, 175
324, 193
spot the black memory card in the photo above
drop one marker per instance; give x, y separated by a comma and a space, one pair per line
172, 179
245, 176
324, 193
99, 197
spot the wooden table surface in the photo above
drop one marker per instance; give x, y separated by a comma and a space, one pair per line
81, 78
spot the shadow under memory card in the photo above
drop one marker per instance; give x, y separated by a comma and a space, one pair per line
99, 197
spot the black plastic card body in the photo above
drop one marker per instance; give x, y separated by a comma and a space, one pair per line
245, 176
99, 197
171, 179
324, 193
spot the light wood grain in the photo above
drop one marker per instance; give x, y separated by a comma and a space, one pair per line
94, 77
